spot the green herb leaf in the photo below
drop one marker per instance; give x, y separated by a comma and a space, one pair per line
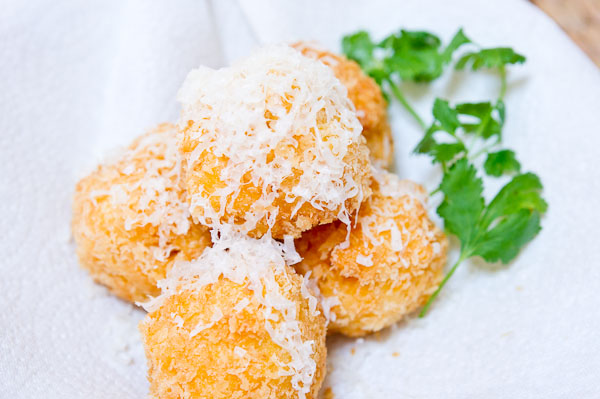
513, 214
446, 152
440, 152
505, 240
417, 56
522, 192
446, 115
501, 162
463, 202
359, 47
511, 220
483, 121
413, 55
479, 110
458, 40
487, 126
498, 231
427, 143
490, 58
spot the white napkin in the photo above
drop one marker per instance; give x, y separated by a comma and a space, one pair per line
80, 77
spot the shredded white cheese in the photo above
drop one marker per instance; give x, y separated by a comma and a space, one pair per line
178, 320
200, 327
364, 260
241, 305
154, 195
216, 316
389, 185
256, 114
239, 352
327, 302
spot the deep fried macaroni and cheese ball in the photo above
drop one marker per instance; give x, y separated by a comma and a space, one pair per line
236, 323
365, 94
130, 217
391, 264
271, 143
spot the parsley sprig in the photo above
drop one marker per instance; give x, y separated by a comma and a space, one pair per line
456, 140
405, 56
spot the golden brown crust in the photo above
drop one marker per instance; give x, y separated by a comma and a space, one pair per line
365, 94
121, 258
206, 365
403, 273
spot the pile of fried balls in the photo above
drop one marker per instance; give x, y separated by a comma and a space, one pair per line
261, 221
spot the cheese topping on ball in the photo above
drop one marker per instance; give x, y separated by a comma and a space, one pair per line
154, 193
256, 264
257, 116
388, 185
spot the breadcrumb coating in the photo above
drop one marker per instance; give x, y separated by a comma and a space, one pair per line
393, 262
271, 143
130, 218
365, 94
214, 336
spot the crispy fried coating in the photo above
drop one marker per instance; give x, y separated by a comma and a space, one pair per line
282, 151
130, 219
393, 262
219, 340
365, 94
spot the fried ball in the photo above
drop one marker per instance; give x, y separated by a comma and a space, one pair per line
365, 93
272, 144
130, 218
390, 266
236, 323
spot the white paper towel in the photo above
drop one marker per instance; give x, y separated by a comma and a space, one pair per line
80, 77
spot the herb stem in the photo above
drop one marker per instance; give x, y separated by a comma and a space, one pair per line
502, 70
400, 96
462, 257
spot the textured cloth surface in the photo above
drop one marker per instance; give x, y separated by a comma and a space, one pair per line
82, 77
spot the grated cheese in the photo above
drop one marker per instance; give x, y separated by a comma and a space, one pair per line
240, 352
257, 114
365, 260
146, 181
241, 305
178, 320
327, 302
216, 316
389, 185
437, 248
